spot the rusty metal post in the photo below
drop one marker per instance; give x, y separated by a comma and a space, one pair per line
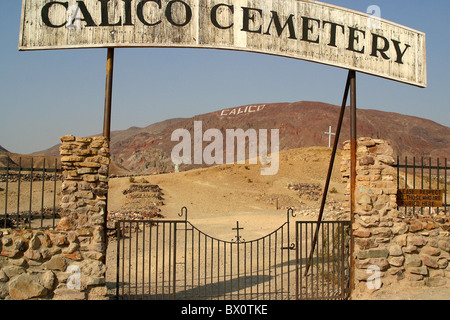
108, 94
353, 149
107, 117
330, 170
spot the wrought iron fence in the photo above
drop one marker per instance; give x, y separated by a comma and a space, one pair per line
424, 173
173, 260
29, 193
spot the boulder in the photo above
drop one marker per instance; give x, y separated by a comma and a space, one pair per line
25, 287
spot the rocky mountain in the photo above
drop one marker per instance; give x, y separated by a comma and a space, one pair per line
300, 124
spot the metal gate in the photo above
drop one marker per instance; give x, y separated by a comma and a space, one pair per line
173, 260
323, 260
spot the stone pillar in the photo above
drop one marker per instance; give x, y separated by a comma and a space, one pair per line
85, 163
391, 248
376, 188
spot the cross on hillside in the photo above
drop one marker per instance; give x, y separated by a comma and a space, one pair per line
329, 133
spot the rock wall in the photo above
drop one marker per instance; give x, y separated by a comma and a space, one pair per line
68, 262
392, 249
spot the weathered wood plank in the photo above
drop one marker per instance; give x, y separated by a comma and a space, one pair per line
299, 29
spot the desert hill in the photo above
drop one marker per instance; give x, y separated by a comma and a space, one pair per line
14, 159
301, 124
239, 192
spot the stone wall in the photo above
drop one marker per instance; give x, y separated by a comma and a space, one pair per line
68, 262
392, 249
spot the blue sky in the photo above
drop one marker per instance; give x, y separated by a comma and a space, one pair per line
47, 94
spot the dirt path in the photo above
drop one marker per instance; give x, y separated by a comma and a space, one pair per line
422, 293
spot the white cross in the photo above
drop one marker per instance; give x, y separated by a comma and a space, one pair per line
329, 133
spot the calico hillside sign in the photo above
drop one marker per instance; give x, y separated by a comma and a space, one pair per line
300, 29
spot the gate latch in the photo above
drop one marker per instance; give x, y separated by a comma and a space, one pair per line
291, 247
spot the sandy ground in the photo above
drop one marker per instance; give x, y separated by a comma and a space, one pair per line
422, 293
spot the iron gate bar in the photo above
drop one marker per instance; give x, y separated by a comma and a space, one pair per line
43, 187
18, 188
54, 198
31, 193
6, 191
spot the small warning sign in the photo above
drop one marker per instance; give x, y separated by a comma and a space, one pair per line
419, 198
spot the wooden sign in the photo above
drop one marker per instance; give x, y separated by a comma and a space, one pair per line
300, 29
419, 198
